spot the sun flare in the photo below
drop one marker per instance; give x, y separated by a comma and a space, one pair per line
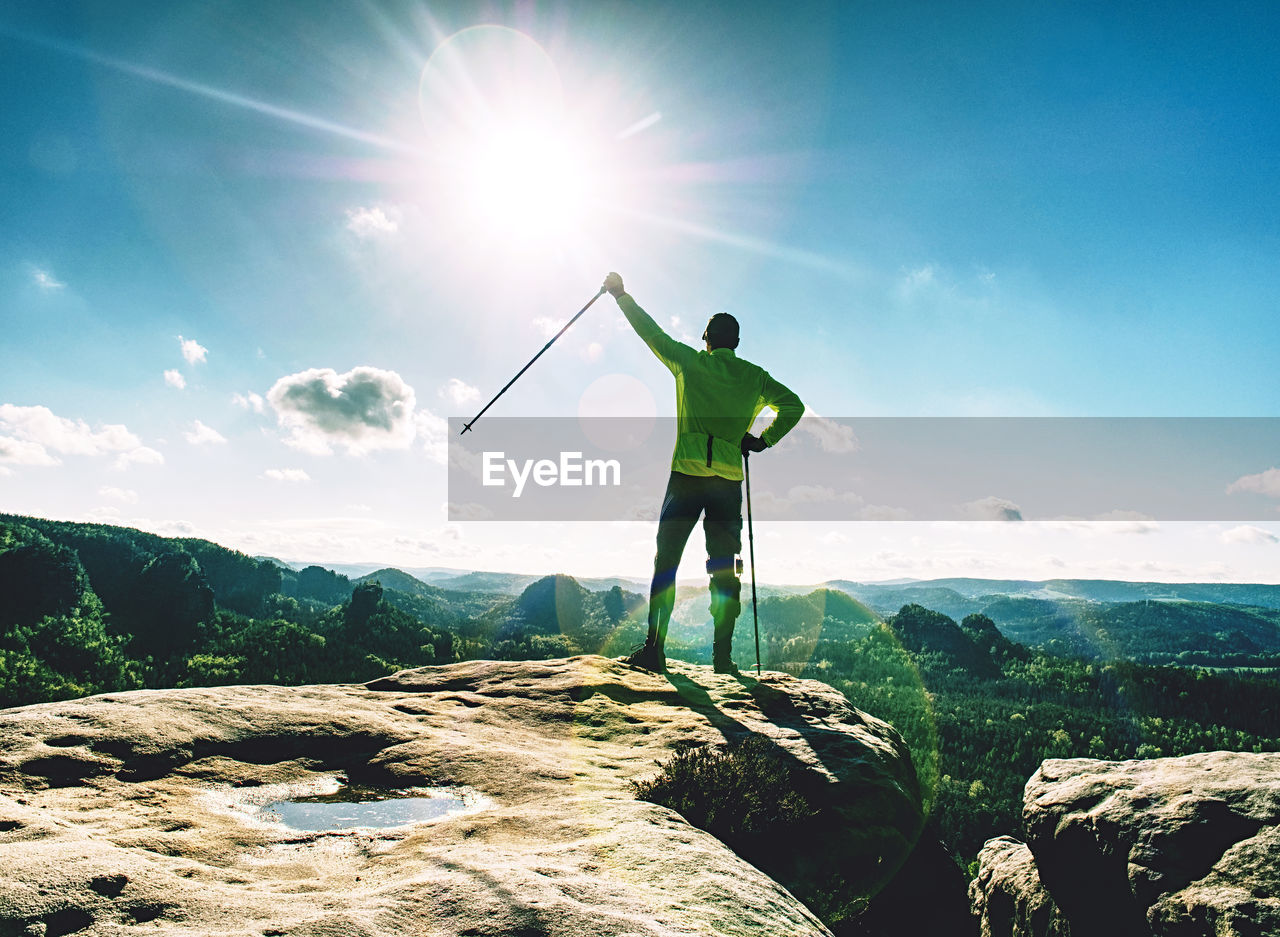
529, 179
516, 164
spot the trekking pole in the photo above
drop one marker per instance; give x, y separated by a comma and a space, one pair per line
751, 541
467, 426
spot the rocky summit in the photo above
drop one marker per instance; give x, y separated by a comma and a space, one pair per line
142, 812
1172, 847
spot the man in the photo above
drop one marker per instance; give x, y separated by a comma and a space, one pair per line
718, 396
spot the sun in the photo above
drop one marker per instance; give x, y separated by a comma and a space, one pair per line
527, 178
517, 166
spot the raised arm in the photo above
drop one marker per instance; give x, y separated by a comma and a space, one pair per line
670, 352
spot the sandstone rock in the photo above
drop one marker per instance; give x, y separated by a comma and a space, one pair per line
1169, 846
130, 808
1007, 896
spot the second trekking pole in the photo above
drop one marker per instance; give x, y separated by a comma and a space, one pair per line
751, 541
467, 426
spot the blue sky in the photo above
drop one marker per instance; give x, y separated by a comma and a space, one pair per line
913, 209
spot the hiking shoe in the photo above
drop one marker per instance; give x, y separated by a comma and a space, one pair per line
647, 657
725, 665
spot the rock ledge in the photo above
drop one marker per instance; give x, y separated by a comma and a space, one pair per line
109, 813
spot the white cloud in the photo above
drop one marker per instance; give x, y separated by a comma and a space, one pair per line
287, 475
682, 333
25, 452
1130, 517
193, 351
434, 431
592, 352
459, 392
127, 495
819, 494
1112, 522
176, 529
883, 512
991, 509
175, 379
547, 326
468, 511
830, 435
142, 455
1247, 533
1264, 483
200, 435
46, 280
249, 401
373, 222
33, 434
917, 280
362, 410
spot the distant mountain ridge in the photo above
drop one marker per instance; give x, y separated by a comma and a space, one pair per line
884, 596
1091, 590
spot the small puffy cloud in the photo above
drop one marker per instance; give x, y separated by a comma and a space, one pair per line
32, 436
468, 511
142, 455
46, 280
192, 351
883, 512
459, 392
373, 222
175, 379
547, 326
1264, 483
1247, 533
682, 333
830, 435
362, 410
434, 431
249, 401
127, 495
592, 352
1108, 524
915, 281
991, 509
202, 435
820, 494
1127, 516
176, 529
287, 475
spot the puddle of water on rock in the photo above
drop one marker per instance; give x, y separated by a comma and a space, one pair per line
352, 807
330, 805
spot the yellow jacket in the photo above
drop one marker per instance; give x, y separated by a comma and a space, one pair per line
718, 396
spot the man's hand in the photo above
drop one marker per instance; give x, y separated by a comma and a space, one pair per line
613, 285
753, 444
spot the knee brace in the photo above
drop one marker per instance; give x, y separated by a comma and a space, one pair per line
726, 589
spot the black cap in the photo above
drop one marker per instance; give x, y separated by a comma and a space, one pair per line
721, 331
